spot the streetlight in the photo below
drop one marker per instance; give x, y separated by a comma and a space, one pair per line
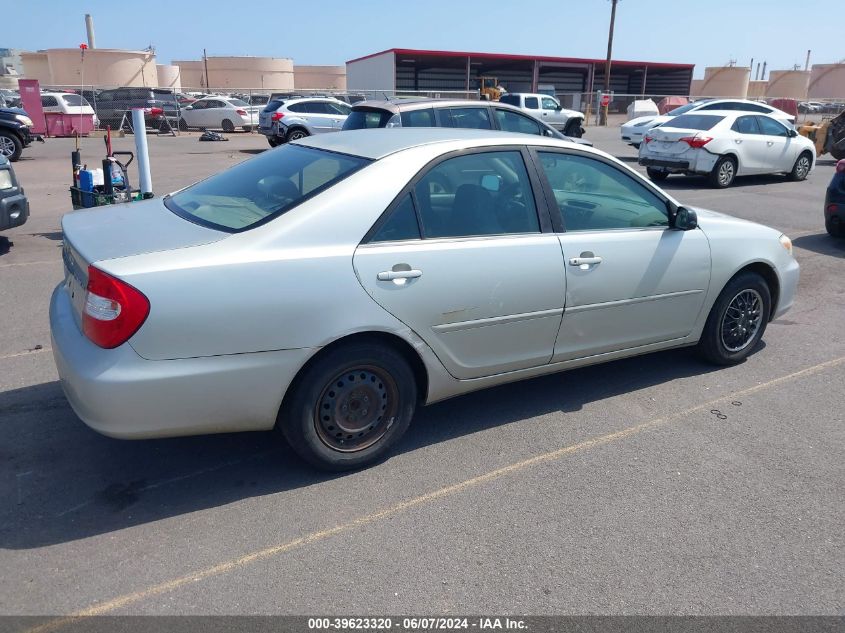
603, 114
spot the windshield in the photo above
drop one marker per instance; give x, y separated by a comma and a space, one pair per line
682, 109
74, 100
360, 119
260, 189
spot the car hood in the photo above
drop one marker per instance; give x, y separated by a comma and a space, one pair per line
710, 220
654, 120
123, 230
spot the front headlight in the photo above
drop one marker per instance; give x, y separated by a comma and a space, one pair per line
786, 243
24, 119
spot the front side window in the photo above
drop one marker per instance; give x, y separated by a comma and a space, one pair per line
337, 108
549, 104
513, 122
770, 127
471, 118
262, 188
532, 103
238, 103
593, 195
199, 105
49, 102
477, 194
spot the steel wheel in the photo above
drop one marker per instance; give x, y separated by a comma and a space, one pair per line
356, 408
741, 320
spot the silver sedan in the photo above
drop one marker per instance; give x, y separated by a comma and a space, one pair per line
330, 286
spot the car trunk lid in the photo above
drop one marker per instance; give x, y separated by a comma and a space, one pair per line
668, 140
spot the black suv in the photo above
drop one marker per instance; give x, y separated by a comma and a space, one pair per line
14, 132
158, 103
461, 113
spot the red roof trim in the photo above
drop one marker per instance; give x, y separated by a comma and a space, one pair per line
503, 56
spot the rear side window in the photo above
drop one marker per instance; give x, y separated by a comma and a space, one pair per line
419, 118
48, 102
74, 100
746, 125
532, 103
509, 99
401, 224
299, 107
471, 118
361, 119
694, 121
262, 188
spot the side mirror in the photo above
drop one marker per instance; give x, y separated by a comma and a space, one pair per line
491, 182
792, 133
188, 108
684, 219
558, 107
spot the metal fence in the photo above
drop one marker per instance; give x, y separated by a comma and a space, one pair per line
112, 105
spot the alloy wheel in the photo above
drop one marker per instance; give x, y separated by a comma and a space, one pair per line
802, 168
7, 146
741, 320
726, 173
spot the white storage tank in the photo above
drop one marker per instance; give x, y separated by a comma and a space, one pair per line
827, 81
169, 76
725, 81
788, 84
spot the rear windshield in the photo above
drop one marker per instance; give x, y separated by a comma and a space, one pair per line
260, 189
238, 103
684, 108
273, 105
163, 95
694, 121
360, 119
74, 100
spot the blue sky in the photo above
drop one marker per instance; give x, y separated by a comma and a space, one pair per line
702, 32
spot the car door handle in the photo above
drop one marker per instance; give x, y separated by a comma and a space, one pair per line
390, 275
584, 261
738, 141
770, 143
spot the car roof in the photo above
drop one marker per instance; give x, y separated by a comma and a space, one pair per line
377, 143
417, 103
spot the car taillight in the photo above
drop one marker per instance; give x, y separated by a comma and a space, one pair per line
277, 116
831, 208
696, 141
114, 310
153, 111
840, 167
241, 112
648, 139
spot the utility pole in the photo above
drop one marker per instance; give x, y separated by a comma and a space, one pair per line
603, 115
205, 62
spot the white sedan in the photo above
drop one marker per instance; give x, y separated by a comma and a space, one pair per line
226, 113
724, 145
634, 130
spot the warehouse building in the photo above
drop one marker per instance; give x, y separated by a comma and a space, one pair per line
407, 70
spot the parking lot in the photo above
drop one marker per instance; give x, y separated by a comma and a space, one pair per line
653, 485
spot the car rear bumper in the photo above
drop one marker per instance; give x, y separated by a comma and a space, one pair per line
14, 211
120, 394
698, 161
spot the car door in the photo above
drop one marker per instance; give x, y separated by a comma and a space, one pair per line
551, 112
510, 121
472, 117
214, 113
630, 279
338, 113
465, 258
193, 117
315, 115
782, 151
751, 147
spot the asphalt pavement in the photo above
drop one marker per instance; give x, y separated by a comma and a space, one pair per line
653, 485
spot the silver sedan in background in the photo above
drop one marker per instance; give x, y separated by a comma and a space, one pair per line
329, 287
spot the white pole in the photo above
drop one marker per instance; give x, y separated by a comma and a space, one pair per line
140, 128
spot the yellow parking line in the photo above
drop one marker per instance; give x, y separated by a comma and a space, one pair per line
275, 550
27, 353
50, 261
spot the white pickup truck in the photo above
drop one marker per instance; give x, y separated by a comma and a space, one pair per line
548, 110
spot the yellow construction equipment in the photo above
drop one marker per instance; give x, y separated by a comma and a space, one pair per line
828, 136
490, 89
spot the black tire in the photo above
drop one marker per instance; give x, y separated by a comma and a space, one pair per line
724, 172
273, 141
723, 344
295, 134
247, 128
11, 145
183, 125
326, 417
801, 168
635, 145
834, 229
573, 129
228, 126
656, 175
837, 154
